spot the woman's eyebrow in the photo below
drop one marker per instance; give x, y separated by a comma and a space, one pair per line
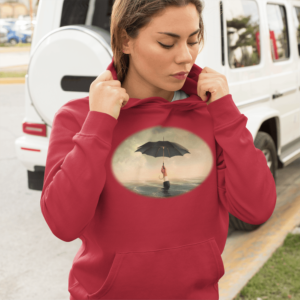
178, 36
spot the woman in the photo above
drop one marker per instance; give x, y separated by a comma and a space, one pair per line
99, 189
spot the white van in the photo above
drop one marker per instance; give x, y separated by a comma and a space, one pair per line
254, 43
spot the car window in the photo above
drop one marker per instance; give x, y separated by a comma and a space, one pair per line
243, 39
296, 18
279, 40
74, 12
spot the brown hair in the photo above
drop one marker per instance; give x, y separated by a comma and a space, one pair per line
131, 15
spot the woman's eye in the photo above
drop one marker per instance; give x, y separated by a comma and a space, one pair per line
167, 46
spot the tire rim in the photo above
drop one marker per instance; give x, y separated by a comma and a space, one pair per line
268, 157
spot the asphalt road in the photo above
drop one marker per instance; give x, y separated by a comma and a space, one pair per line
34, 263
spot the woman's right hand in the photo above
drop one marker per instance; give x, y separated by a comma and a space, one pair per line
106, 95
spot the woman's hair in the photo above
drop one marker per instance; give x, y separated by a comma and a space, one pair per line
131, 15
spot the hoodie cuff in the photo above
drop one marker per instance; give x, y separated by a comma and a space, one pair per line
99, 124
223, 111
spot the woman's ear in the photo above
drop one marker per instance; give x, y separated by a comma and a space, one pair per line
125, 42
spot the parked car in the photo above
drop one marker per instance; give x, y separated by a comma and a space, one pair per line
21, 36
254, 43
24, 25
24, 21
3, 35
7, 22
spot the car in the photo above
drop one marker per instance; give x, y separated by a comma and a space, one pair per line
24, 25
3, 35
7, 21
254, 43
5, 24
24, 21
20, 36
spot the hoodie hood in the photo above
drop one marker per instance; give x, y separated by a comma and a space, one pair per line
189, 87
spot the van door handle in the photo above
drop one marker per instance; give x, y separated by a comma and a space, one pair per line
276, 95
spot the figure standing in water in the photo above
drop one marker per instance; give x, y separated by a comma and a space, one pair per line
166, 181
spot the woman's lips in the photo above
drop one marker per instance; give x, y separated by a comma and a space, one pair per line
180, 77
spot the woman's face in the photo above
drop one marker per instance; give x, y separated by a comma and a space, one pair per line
151, 64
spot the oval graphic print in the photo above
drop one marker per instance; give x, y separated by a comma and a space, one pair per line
162, 162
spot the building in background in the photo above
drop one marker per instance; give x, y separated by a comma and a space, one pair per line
15, 8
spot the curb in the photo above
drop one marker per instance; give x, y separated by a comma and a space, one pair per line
13, 80
296, 230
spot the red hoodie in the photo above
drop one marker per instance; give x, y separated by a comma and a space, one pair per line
142, 237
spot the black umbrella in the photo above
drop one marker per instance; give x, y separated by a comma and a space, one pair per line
162, 148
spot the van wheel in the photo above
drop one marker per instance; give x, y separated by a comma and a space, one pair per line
265, 143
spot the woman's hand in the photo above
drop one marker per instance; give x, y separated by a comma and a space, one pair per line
107, 95
213, 82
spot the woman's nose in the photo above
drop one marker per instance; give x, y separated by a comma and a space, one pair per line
184, 54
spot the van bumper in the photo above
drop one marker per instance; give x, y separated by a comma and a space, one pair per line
32, 152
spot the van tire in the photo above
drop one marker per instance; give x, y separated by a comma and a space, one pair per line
265, 143
36, 178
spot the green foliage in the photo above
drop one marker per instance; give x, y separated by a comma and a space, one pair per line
18, 45
12, 74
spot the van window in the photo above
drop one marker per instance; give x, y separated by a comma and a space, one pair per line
87, 12
222, 35
279, 40
296, 17
102, 13
74, 12
243, 40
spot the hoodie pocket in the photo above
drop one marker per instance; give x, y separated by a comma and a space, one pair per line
170, 273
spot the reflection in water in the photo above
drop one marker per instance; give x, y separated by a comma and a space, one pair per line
296, 18
278, 32
243, 38
155, 188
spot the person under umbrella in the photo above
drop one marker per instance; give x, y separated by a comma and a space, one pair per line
166, 180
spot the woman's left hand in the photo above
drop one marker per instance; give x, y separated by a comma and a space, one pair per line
213, 82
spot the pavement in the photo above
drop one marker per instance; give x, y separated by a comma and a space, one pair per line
34, 263
14, 59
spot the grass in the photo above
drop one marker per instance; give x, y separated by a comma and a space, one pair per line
279, 278
16, 46
12, 74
